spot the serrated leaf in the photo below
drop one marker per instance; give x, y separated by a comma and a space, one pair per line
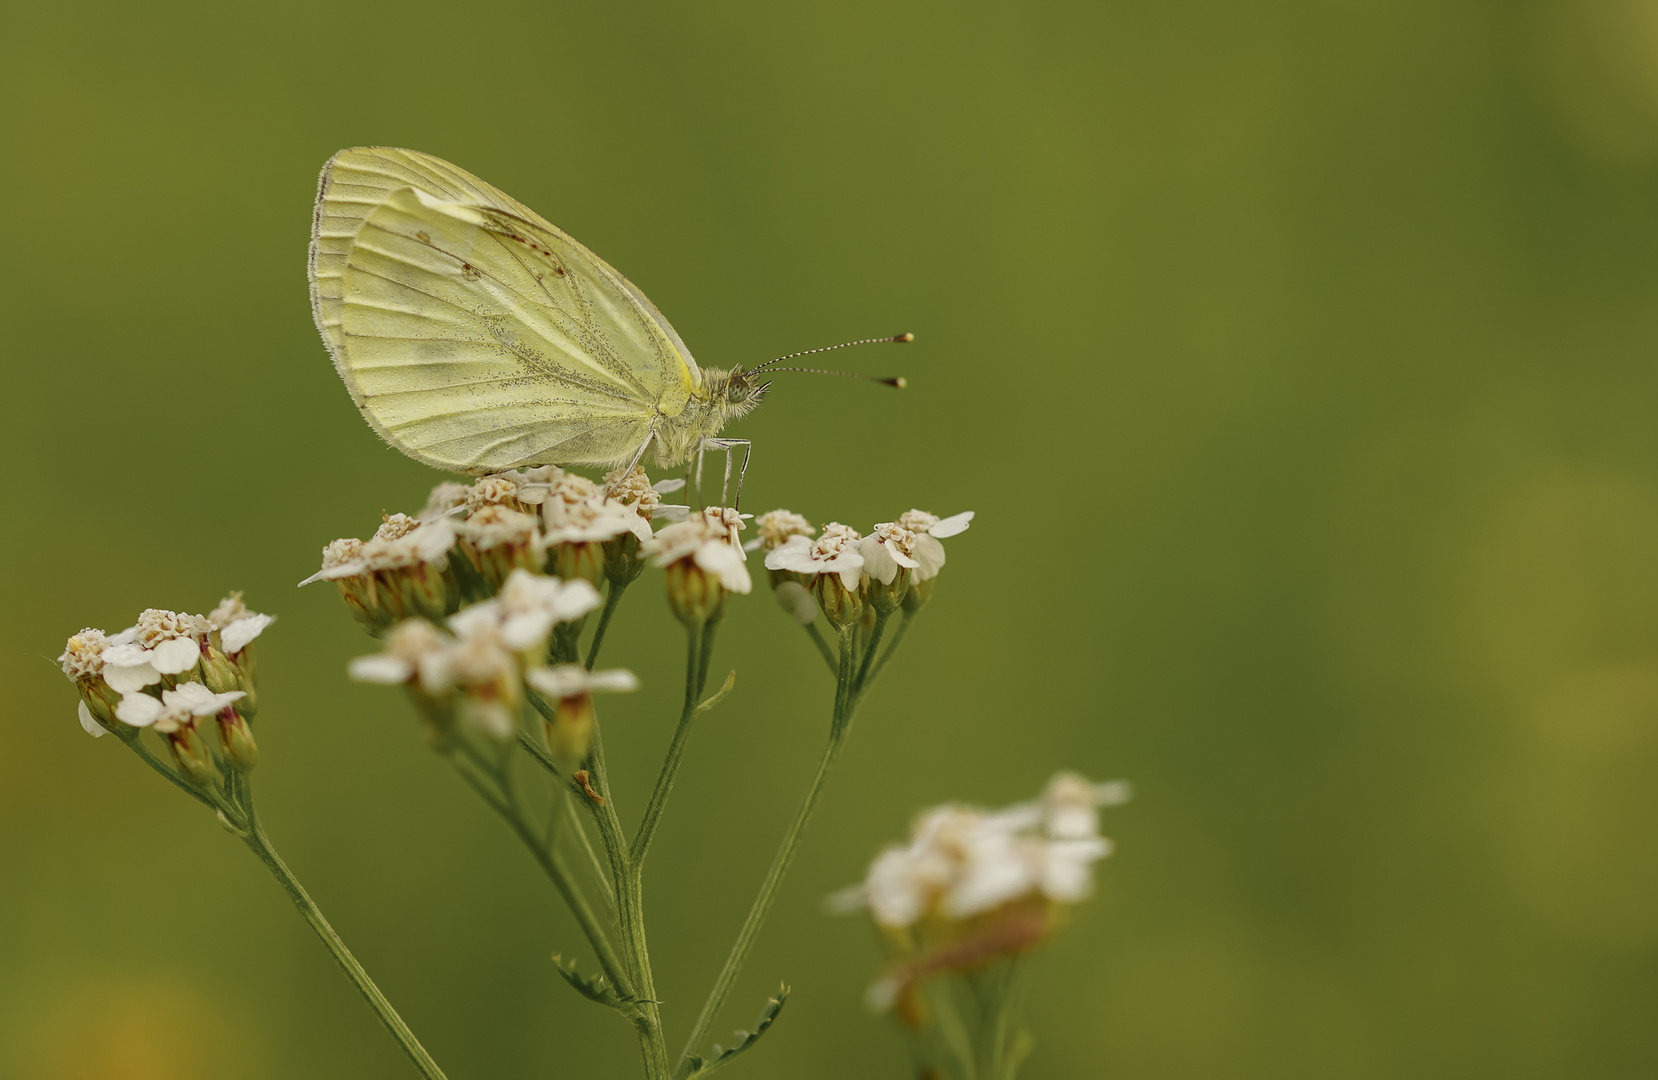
700, 1066
595, 989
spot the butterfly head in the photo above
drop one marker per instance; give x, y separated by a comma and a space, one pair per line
736, 392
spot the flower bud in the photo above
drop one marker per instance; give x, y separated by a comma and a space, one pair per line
843, 607
192, 755
101, 701
218, 673
237, 739
919, 594
584, 559
622, 561
496, 540
694, 595
887, 597
570, 731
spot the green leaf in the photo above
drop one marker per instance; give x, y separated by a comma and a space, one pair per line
596, 989
599, 989
702, 1067
719, 695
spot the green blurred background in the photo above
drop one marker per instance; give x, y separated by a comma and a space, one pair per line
1298, 359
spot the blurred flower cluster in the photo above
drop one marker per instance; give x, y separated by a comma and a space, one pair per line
168, 672
975, 886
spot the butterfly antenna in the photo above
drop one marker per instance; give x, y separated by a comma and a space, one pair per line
897, 381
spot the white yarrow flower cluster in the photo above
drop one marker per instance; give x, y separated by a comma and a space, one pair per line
113, 671
963, 862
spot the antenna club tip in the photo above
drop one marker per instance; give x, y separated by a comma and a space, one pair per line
900, 382
904, 337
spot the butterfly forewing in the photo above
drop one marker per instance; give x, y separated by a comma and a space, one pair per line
474, 335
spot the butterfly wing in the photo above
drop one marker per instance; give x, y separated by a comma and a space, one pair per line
474, 335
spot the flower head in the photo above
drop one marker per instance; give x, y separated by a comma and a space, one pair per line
237, 626
961, 862
830, 567
703, 563
176, 709
929, 530
775, 527
445, 499
414, 653
835, 552
526, 609
503, 489
972, 885
495, 540
83, 664
632, 488
399, 573
162, 645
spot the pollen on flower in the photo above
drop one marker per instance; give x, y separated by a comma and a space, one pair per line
835, 537
491, 526
341, 552
396, 527
833, 552
426, 544
886, 550
493, 491
157, 625
82, 657
776, 526
570, 489
917, 520
633, 488
230, 609
592, 522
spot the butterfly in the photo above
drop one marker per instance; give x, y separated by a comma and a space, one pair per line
475, 336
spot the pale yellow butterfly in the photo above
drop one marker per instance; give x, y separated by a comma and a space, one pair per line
477, 337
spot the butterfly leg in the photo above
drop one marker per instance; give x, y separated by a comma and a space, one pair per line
742, 473
729, 445
646, 445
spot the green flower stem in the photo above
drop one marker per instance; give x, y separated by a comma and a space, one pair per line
260, 845
630, 911
699, 640
866, 681
840, 725
233, 800
504, 802
567, 806
997, 991
136, 745
613, 598
823, 648
881, 618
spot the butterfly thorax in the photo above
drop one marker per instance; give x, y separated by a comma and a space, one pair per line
722, 398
